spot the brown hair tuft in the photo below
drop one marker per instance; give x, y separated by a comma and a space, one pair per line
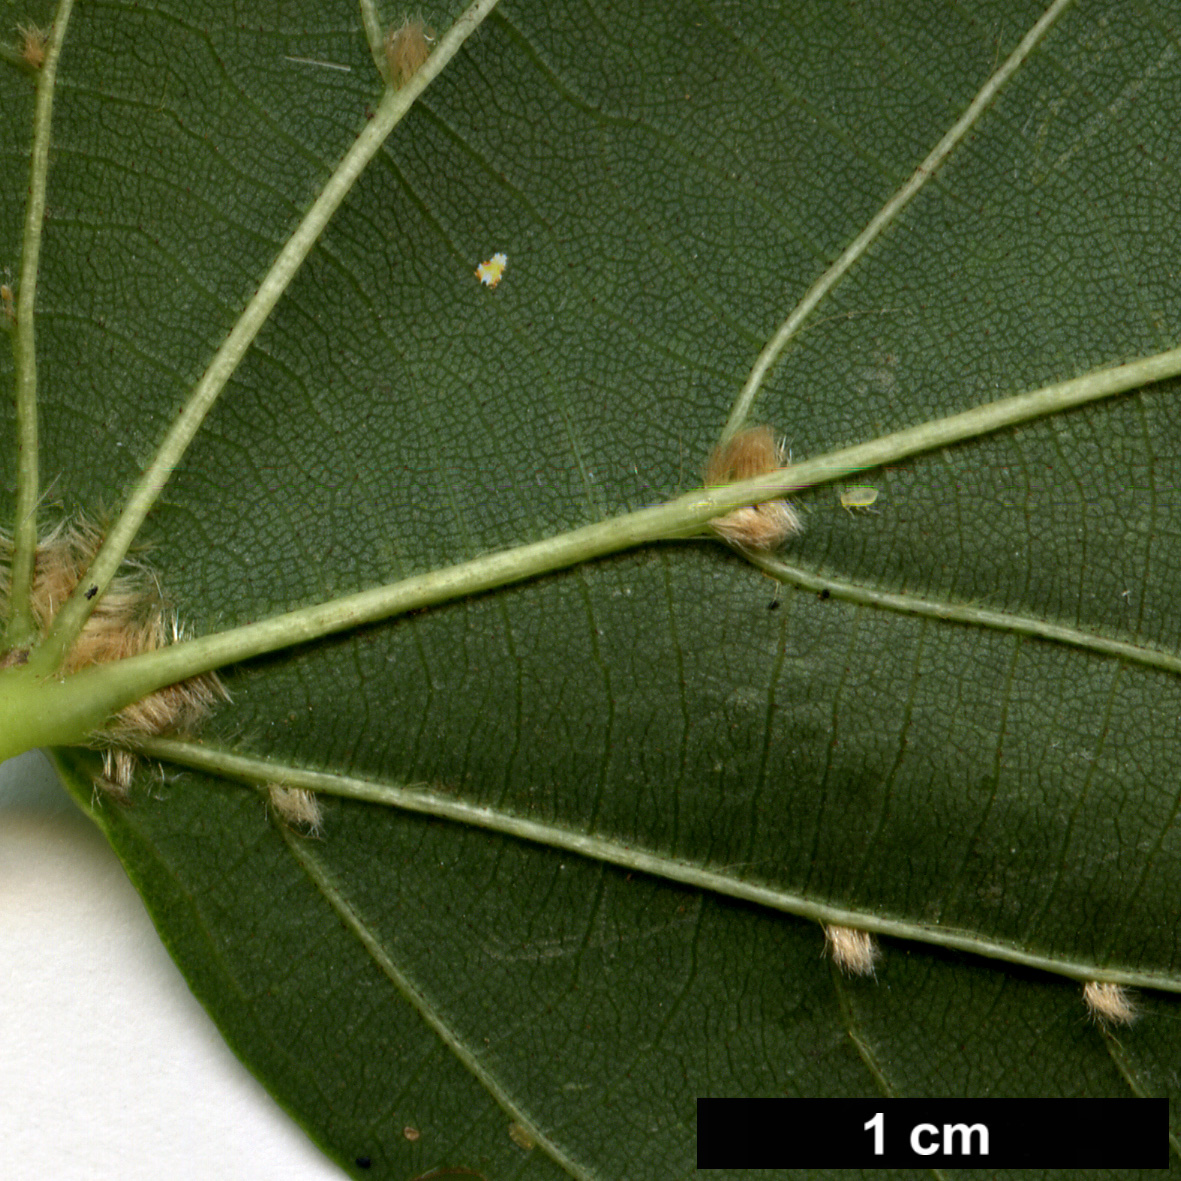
129, 619
406, 49
750, 453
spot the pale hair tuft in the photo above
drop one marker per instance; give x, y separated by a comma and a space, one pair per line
297, 807
853, 951
1109, 1004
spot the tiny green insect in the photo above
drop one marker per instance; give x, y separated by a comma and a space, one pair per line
858, 496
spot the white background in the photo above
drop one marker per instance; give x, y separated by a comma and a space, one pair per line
108, 1066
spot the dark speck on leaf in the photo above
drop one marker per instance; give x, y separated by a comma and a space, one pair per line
92, 592
363, 1162
773, 605
823, 595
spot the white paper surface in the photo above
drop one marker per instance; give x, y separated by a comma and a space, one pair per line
108, 1066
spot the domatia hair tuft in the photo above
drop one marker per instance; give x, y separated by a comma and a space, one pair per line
406, 49
854, 952
129, 619
1108, 1004
752, 452
297, 807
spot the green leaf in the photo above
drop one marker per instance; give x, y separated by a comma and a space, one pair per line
597, 815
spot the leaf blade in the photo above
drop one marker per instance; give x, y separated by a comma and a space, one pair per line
654, 697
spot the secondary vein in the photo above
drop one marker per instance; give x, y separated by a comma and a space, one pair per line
421, 799
393, 107
21, 626
887, 214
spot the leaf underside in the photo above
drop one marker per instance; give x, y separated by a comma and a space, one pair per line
667, 182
